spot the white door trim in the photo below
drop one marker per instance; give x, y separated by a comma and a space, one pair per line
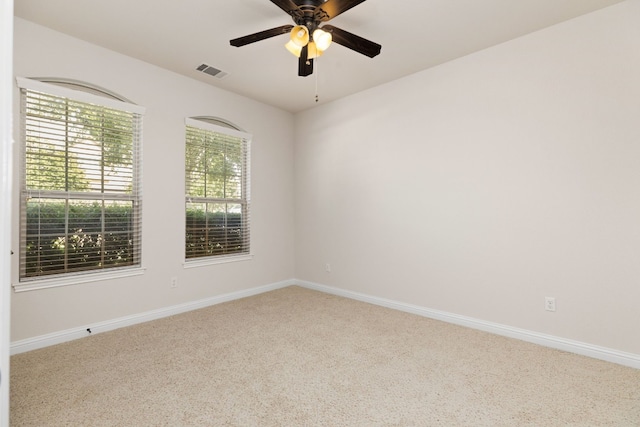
6, 142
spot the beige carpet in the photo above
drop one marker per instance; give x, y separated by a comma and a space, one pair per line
296, 357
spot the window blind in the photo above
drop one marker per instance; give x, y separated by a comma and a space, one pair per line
217, 191
81, 194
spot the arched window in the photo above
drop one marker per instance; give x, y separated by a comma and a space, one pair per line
80, 183
217, 162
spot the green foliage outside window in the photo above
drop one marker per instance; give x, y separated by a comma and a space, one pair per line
82, 243
213, 233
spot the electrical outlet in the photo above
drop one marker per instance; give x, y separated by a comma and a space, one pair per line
174, 282
550, 304
327, 268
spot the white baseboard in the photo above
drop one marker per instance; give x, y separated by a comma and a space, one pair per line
42, 341
577, 347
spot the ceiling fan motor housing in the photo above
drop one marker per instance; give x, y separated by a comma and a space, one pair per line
310, 14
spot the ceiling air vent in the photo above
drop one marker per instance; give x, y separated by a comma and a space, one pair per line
212, 71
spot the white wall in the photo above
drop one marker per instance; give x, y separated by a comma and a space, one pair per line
483, 185
169, 98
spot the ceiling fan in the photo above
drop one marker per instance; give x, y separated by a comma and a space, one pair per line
307, 39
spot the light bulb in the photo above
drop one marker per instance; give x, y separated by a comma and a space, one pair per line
293, 48
322, 39
300, 35
313, 51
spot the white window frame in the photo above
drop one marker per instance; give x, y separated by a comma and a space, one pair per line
226, 128
86, 93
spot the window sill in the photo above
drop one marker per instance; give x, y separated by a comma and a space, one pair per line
78, 279
201, 262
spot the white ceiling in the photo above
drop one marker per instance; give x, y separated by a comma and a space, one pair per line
414, 34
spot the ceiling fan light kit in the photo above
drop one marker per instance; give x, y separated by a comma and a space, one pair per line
307, 40
320, 41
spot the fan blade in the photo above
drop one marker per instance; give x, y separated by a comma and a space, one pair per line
353, 42
252, 38
287, 5
305, 65
334, 8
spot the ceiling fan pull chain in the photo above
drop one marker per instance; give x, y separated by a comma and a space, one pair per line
317, 71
